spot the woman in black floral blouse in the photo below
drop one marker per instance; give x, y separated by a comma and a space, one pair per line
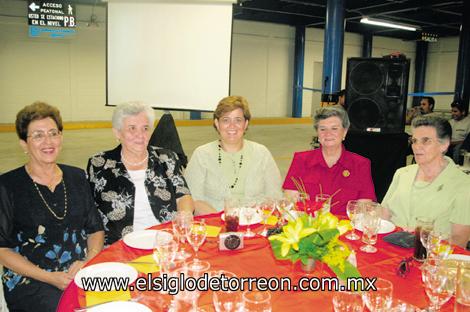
135, 185
49, 226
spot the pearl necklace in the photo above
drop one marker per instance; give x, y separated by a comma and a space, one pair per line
240, 163
136, 163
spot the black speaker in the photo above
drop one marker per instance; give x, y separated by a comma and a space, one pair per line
376, 90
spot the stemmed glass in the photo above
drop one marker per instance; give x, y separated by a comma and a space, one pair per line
353, 209
196, 235
379, 300
266, 210
181, 223
285, 207
438, 283
249, 211
424, 237
165, 249
257, 301
370, 226
439, 244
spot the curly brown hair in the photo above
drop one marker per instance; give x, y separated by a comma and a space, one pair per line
36, 111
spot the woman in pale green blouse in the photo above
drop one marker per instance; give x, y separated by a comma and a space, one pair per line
231, 166
434, 187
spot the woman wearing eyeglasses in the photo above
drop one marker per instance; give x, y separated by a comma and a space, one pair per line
136, 185
434, 187
231, 166
49, 226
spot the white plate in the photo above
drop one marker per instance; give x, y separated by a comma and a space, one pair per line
385, 227
106, 269
459, 257
144, 239
120, 306
256, 218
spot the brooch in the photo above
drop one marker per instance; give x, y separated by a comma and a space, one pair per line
346, 173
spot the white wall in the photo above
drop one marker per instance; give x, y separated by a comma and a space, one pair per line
70, 73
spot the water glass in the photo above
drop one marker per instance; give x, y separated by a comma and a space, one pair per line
462, 293
226, 300
165, 249
439, 245
256, 301
379, 300
348, 301
353, 209
424, 226
249, 210
181, 222
438, 283
325, 199
370, 226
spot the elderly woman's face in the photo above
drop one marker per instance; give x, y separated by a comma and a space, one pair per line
426, 146
44, 141
135, 133
331, 132
232, 126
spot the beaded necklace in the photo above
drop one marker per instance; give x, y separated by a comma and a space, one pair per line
237, 171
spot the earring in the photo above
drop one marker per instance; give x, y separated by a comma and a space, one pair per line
26, 152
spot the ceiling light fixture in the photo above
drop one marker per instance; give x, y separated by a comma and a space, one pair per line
377, 22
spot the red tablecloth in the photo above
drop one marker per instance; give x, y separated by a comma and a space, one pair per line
257, 260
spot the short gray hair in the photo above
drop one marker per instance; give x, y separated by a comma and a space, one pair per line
127, 109
442, 125
331, 111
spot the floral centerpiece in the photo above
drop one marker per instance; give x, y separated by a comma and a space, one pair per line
314, 234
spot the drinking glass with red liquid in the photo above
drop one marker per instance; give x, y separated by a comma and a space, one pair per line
231, 215
424, 227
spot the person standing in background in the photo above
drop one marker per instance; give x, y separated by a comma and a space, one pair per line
460, 124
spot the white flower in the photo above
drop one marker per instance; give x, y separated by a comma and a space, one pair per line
110, 164
97, 161
100, 184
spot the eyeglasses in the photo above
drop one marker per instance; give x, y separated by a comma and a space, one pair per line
238, 121
423, 141
39, 136
404, 267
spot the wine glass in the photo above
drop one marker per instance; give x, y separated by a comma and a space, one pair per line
439, 244
266, 210
181, 223
225, 300
438, 283
370, 227
285, 207
196, 235
325, 200
353, 209
348, 301
257, 301
249, 211
379, 300
165, 249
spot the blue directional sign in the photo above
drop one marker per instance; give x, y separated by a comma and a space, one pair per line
51, 14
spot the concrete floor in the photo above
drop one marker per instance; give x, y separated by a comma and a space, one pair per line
79, 145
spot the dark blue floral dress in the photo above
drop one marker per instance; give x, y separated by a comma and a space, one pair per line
30, 229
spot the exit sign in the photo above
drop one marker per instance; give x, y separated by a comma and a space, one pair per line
51, 14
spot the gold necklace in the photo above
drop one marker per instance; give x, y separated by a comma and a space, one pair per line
47, 205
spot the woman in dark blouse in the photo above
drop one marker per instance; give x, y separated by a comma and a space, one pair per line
135, 185
49, 226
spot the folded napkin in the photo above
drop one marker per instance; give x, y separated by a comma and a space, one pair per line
272, 220
212, 231
145, 264
97, 297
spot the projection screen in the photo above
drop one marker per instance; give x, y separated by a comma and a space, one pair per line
170, 54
